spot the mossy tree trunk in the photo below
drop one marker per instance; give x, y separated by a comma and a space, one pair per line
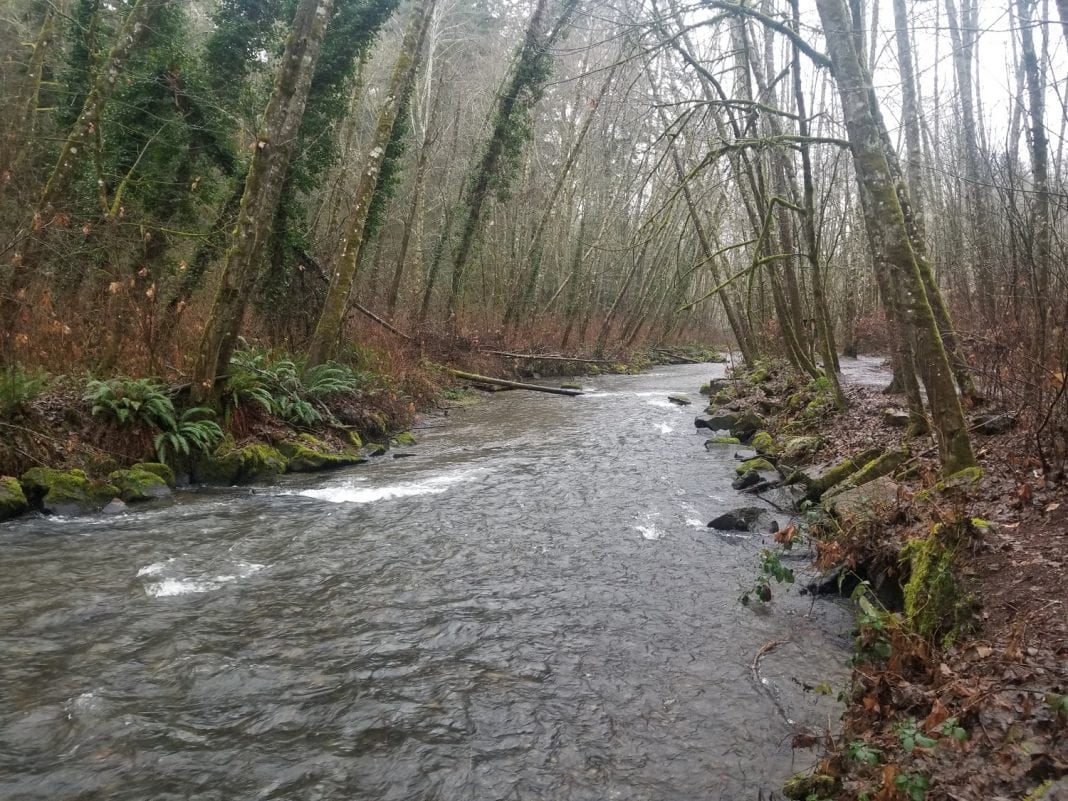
263, 189
889, 234
336, 304
510, 129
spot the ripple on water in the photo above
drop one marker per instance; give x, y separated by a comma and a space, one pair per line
352, 492
161, 581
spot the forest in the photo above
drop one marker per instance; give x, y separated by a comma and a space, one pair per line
225, 219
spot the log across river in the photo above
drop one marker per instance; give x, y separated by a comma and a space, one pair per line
530, 607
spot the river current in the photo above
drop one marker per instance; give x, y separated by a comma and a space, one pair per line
528, 606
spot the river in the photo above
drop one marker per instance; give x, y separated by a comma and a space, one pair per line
530, 606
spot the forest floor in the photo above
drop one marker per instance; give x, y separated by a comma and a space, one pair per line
981, 714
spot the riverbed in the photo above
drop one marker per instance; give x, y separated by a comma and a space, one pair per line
527, 605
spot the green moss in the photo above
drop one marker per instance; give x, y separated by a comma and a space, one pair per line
936, 604
12, 499
763, 442
66, 492
404, 438
805, 786
800, 449
725, 440
310, 454
376, 448
723, 397
138, 485
231, 465
754, 464
355, 440
159, 469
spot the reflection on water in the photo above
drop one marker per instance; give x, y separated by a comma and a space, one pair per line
529, 608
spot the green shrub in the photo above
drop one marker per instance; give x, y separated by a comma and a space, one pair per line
132, 401
193, 431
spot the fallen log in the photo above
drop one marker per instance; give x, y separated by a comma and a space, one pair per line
500, 382
546, 357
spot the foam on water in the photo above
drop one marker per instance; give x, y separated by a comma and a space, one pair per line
650, 532
664, 428
168, 586
349, 493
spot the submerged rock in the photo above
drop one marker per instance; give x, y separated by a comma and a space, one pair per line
138, 484
70, 492
12, 499
748, 479
114, 507
740, 519
712, 443
679, 400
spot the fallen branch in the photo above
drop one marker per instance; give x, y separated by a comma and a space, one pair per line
500, 382
381, 322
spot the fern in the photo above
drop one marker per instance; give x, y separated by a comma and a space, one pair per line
192, 432
132, 401
19, 387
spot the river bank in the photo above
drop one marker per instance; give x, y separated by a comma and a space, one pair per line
960, 666
79, 446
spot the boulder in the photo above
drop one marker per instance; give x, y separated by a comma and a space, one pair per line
883, 465
745, 454
741, 519
993, 423
763, 442
719, 420
69, 492
376, 449
12, 499
114, 507
819, 479
136, 484
159, 469
679, 400
748, 479
230, 465
804, 786
800, 449
898, 418
759, 464
871, 503
405, 438
746, 425
309, 454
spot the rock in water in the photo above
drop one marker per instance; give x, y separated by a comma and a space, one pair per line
12, 498
680, 400
749, 478
746, 425
114, 507
740, 519
719, 420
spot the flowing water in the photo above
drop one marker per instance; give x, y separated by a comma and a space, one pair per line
529, 607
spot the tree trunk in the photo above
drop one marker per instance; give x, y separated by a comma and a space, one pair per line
337, 298
889, 234
263, 188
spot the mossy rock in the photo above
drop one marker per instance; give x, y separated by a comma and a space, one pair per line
723, 441
404, 438
799, 450
159, 469
230, 465
758, 464
136, 484
746, 425
936, 604
763, 442
66, 492
805, 786
376, 449
355, 440
723, 397
758, 375
306, 457
12, 499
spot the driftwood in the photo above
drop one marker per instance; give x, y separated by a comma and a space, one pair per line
500, 382
547, 358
